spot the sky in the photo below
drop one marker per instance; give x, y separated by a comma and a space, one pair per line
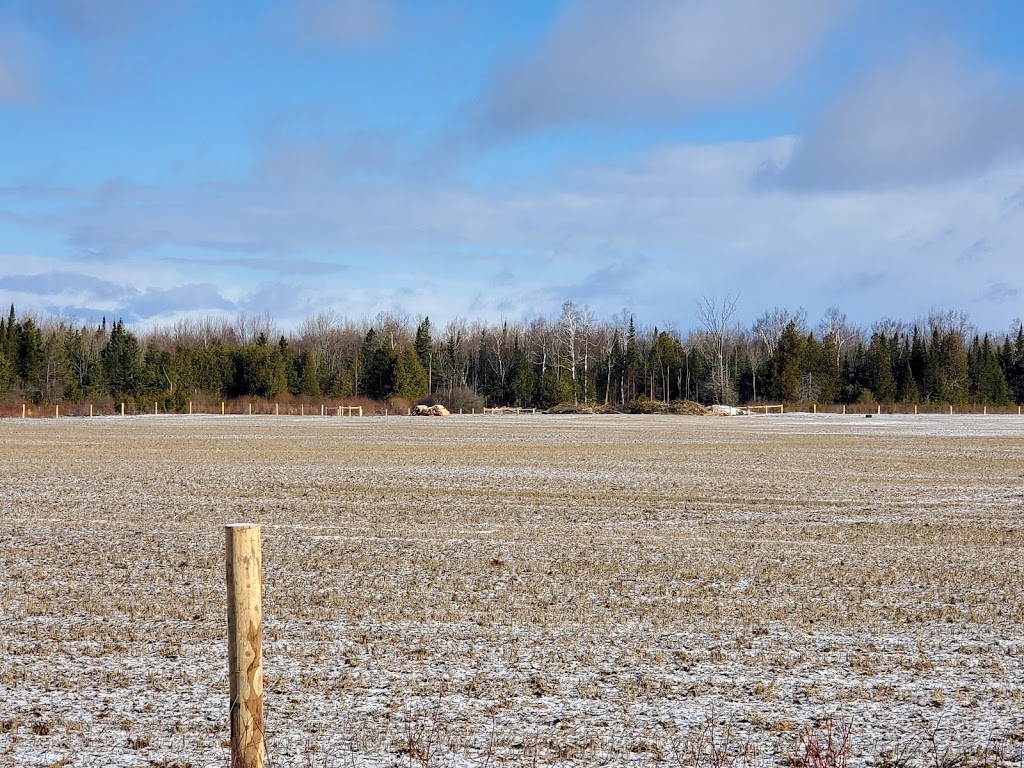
162, 159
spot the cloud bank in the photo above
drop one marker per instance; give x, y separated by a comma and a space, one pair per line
607, 60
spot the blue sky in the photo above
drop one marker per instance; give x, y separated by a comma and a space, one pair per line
169, 158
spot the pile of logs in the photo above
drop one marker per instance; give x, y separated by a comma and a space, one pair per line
429, 410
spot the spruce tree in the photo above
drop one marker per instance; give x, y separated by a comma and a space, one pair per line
122, 362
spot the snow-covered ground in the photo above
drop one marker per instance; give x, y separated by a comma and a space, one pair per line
525, 590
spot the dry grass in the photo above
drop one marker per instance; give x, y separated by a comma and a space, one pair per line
484, 591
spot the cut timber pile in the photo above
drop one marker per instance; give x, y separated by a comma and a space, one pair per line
430, 410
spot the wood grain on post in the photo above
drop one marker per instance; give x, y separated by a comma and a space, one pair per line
245, 644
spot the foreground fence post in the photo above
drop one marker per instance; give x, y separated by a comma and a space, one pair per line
245, 644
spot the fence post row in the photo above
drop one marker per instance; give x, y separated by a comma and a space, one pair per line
244, 560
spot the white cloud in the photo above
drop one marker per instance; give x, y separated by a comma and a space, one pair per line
653, 232
928, 119
608, 60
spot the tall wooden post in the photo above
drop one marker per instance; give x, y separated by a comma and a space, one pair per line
23, 410
221, 407
90, 409
189, 407
245, 644
122, 409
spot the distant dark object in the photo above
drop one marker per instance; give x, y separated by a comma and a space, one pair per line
868, 415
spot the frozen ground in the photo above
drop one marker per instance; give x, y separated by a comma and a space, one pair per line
482, 591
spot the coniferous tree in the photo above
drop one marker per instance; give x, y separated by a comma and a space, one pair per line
522, 379
880, 380
787, 365
122, 362
8, 352
424, 347
29, 359
410, 379
309, 373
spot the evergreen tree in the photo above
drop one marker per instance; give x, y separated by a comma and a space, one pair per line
122, 362
29, 358
259, 371
787, 365
8, 353
988, 384
1015, 375
309, 373
522, 379
953, 359
378, 364
424, 345
410, 379
292, 379
881, 382
553, 389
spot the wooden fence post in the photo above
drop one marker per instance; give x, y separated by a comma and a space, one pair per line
23, 410
90, 409
189, 407
221, 407
245, 644
56, 411
122, 408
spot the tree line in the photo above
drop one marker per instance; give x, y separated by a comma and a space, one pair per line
572, 357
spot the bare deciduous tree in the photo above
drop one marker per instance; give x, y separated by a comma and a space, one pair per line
773, 322
716, 317
836, 327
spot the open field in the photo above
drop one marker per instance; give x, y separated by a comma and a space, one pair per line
483, 591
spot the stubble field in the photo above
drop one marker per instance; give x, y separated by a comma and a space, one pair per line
484, 591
